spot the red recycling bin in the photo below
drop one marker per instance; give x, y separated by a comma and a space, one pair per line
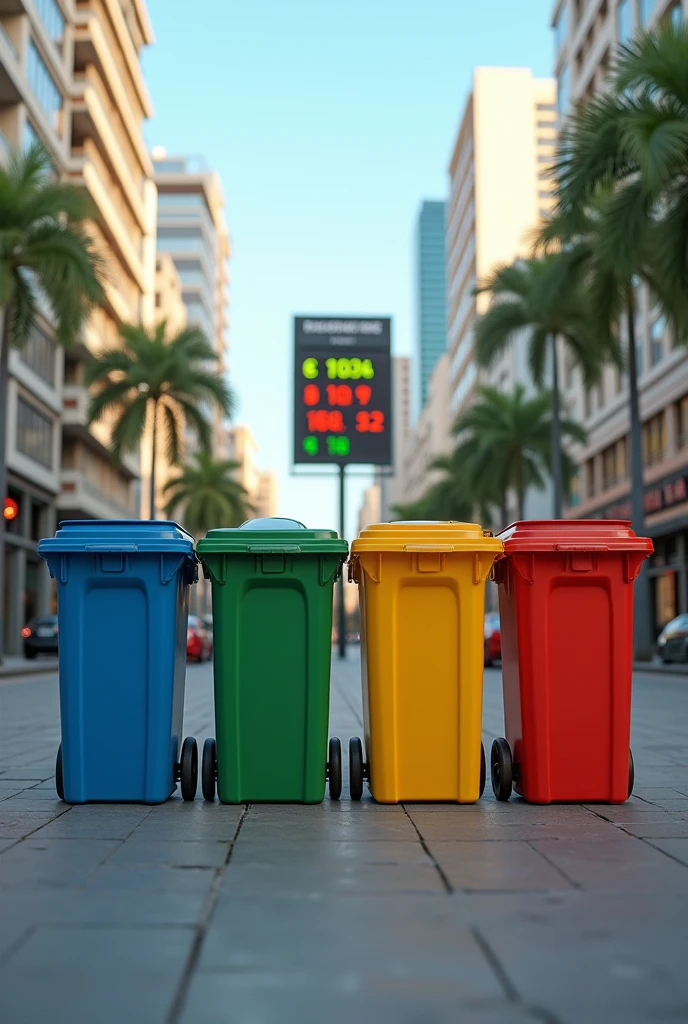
566, 613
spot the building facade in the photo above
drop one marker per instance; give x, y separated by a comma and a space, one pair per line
431, 293
70, 77
260, 485
430, 437
587, 36
500, 187
391, 486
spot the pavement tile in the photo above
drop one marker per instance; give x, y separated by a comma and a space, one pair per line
629, 866
98, 826
504, 867
15, 824
666, 829
150, 878
164, 853
674, 847
52, 863
88, 974
132, 907
350, 824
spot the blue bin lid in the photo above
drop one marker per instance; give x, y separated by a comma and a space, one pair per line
146, 536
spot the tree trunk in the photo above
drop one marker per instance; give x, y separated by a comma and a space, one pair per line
557, 476
642, 625
4, 385
153, 454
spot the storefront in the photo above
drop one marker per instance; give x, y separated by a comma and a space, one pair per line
28, 588
666, 522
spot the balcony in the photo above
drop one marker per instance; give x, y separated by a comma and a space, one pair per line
81, 496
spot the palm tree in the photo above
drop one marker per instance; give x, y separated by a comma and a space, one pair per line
162, 383
506, 444
209, 495
543, 297
44, 252
623, 165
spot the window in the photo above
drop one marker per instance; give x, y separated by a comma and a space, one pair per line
51, 16
590, 478
44, 88
39, 355
563, 91
609, 467
682, 424
646, 8
657, 340
34, 433
624, 20
546, 106
547, 124
574, 495
180, 199
622, 458
654, 440
561, 27
544, 194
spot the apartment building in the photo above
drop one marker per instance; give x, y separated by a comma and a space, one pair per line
431, 437
260, 485
500, 188
192, 230
392, 485
70, 76
431, 297
587, 36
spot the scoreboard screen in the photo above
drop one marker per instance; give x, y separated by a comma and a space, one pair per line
342, 390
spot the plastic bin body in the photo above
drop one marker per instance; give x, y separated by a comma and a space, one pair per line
422, 599
272, 585
566, 613
122, 607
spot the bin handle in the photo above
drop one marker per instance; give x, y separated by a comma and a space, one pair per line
112, 549
422, 548
581, 548
267, 549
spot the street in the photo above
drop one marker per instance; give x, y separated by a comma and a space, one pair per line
269, 914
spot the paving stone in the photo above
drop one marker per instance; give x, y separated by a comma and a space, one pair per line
629, 866
674, 847
15, 824
84, 975
666, 829
150, 878
133, 907
52, 863
166, 853
496, 866
98, 826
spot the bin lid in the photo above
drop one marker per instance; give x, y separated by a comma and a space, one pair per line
271, 535
573, 535
124, 535
425, 536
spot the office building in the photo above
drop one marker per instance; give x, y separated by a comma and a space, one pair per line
500, 189
391, 486
587, 37
431, 437
431, 306
70, 77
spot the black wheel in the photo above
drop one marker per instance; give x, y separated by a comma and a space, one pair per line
209, 769
631, 773
501, 769
356, 769
59, 781
483, 769
188, 768
334, 768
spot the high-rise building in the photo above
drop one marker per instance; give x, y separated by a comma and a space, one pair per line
500, 189
391, 487
431, 292
70, 76
587, 37
192, 230
260, 485
430, 438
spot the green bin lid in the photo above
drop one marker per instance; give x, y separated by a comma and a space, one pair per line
272, 536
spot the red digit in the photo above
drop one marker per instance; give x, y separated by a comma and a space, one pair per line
362, 422
344, 396
377, 422
335, 422
311, 394
363, 393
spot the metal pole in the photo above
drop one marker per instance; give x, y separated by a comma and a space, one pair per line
341, 642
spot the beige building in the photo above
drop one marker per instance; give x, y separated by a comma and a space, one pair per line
261, 485
430, 438
371, 507
70, 76
500, 188
587, 37
391, 487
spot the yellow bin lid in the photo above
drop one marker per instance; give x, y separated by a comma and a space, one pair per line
425, 536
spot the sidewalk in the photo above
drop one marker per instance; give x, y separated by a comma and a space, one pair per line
493, 914
13, 665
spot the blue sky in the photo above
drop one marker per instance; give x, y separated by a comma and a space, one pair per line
329, 122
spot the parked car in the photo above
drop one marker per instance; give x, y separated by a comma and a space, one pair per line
672, 642
207, 621
493, 639
40, 636
199, 646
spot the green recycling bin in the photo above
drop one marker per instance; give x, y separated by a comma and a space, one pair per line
272, 584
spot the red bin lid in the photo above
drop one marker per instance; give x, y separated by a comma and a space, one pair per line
573, 535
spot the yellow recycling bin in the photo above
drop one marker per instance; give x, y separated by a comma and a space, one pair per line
422, 597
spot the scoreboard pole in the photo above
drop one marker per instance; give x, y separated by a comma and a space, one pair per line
341, 640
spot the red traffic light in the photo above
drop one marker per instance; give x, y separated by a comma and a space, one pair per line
10, 509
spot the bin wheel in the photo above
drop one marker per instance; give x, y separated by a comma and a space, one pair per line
483, 769
59, 780
356, 768
501, 769
209, 769
188, 768
631, 773
334, 768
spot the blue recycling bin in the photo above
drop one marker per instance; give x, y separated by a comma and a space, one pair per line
123, 599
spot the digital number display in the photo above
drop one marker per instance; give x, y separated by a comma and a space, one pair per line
342, 390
